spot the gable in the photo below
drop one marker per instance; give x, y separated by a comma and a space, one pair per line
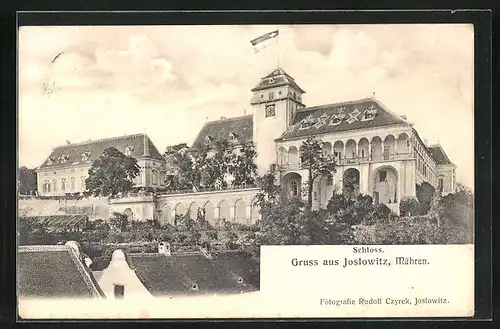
239, 128
331, 118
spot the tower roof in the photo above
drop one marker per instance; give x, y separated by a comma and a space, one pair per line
276, 78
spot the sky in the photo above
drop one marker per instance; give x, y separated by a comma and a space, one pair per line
93, 82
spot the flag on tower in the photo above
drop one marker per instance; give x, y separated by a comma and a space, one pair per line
260, 42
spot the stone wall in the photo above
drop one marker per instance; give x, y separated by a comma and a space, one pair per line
95, 208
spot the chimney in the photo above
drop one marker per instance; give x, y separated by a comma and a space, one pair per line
164, 248
68, 142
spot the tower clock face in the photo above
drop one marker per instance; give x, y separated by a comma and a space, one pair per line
270, 110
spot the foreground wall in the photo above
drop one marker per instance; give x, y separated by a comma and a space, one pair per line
95, 208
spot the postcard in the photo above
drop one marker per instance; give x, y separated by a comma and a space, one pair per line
246, 171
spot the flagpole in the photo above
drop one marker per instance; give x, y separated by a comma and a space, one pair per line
278, 44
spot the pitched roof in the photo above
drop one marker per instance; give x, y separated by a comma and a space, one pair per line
279, 78
337, 117
240, 127
71, 154
53, 272
225, 272
439, 155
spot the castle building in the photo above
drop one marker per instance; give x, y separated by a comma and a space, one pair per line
66, 168
377, 150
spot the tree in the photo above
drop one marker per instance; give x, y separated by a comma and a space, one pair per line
120, 222
269, 190
425, 193
111, 173
219, 163
27, 181
244, 169
316, 162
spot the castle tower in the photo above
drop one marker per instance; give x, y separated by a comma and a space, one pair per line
275, 100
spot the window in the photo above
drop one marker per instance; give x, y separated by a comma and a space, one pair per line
119, 291
63, 184
440, 185
279, 93
330, 181
82, 182
128, 150
271, 95
270, 110
383, 176
85, 156
155, 177
362, 153
73, 183
194, 287
295, 189
46, 186
54, 187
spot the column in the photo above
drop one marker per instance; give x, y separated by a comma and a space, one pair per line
396, 146
370, 150
249, 214
232, 210
344, 150
172, 215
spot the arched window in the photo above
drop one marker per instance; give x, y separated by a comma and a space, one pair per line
295, 188
155, 177
72, 183
63, 184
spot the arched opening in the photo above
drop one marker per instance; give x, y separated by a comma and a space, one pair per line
350, 149
351, 183
338, 150
291, 184
255, 212
376, 148
193, 211
389, 147
363, 149
282, 156
240, 211
180, 209
224, 210
129, 213
327, 148
385, 185
209, 212
403, 144
293, 156
166, 215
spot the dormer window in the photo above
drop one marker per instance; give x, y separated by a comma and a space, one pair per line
232, 136
369, 114
63, 158
271, 80
128, 150
85, 156
240, 280
50, 160
194, 287
307, 122
208, 139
